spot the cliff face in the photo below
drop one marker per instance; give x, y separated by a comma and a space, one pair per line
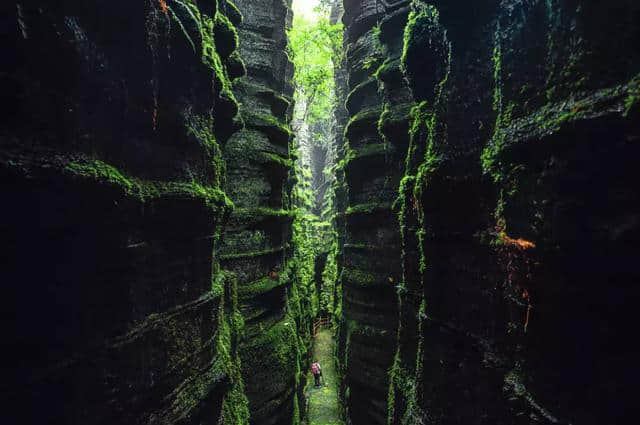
488, 216
257, 245
113, 123
370, 267
516, 211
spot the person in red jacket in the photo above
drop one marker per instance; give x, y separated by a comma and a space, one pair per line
317, 372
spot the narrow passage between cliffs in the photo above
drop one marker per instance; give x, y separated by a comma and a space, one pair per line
316, 50
323, 402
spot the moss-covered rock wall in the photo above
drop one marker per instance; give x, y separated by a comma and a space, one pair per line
370, 265
258, 242
114, 115
516, 210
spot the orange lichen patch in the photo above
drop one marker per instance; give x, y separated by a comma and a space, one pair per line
163, 6
520, 243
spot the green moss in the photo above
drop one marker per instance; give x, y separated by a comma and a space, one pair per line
279, 132
251, 214
202, 129
226, 35
394, 115
633, 97
403, 202
218, 283
232, 11
550, 119
235, 406
211, 58
358, 277
418, 30
252, 254
274, 159
102, 173
259, 287
277, 344
207, 27
192, 10
355, 95
369, 208
362, 121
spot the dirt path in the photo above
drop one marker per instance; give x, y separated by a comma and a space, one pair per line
323, 401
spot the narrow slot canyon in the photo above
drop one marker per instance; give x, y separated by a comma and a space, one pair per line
434, 200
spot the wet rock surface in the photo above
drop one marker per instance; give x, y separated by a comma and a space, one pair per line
516, 211
257, 243
112, 173
370, 265
488, 215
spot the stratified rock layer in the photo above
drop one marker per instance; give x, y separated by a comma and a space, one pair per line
257, 243
518, 212
112, 119
370, 266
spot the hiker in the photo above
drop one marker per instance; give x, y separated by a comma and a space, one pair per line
317, 372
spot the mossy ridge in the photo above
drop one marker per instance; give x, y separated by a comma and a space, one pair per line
260, 286
278, 132
202, 128
261, 213
360, 278
142, 190
551, 118
223, 375
427, 137
251, 152
403, 384
365, 119
633, 98
391, 71
369, 83
277, 100
368, 208
418, 28
393, 117
363, 247
252, 254
355, 328
278, 343
235, 406
208, 49
226, 35
274, 160
233, 13
366, 151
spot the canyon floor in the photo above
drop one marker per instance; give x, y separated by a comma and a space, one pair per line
323, 401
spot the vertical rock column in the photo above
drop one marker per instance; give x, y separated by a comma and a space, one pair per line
257, 242
370, 266
393, 125
111, 127
341, 198
518, 184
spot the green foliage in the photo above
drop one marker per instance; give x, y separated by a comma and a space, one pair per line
304, 257
315, 48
